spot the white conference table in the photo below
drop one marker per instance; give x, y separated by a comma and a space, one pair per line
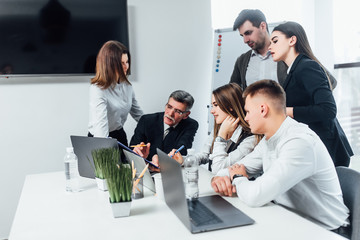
47, 211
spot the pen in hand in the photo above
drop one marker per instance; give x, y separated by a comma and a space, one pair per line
179, 149
128, 149
139, 145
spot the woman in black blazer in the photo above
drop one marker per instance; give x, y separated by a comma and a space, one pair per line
309, 98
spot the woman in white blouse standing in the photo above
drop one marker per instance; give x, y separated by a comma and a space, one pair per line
231, 139
112, 97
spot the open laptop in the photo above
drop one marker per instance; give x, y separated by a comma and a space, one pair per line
83, 146
205, 214
139, 164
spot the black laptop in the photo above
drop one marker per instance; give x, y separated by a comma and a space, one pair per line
205, 214
83, 146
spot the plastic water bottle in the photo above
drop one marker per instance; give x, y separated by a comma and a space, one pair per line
71, 171
191, 175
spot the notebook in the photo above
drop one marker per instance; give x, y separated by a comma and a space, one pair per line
83, 147
214, 213
139, 164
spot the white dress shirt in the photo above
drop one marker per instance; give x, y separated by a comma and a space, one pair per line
298, 173
110, 107
261, 67
167, 129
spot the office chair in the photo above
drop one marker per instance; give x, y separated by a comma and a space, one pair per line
349, 182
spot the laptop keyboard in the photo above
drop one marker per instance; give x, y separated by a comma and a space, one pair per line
200, 215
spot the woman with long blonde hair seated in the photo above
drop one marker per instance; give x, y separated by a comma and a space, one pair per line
231, 138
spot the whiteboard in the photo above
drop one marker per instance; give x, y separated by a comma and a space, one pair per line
228, 46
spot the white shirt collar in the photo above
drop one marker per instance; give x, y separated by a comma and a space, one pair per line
267, 55
289, 68
234, 138
274, 139
167, 126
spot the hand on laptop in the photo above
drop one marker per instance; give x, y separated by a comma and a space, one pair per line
223, 185
142, 151
155, 161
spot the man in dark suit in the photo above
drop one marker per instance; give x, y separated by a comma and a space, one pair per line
166, 130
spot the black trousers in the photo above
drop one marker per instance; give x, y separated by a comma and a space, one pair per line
119, 135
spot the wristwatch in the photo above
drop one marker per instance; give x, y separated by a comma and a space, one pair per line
236, 176
220, 139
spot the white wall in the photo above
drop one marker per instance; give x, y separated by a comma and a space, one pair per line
172, 47
36, 120
324, 25
171, 43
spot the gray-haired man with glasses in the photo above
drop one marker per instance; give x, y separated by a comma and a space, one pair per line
166, 130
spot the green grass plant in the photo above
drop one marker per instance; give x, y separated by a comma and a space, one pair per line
107, 162
119, 181
102, 158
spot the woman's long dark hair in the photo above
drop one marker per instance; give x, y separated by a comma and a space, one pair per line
109, 69
230, 100
302, 44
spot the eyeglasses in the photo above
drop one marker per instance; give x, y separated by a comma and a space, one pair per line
168, 106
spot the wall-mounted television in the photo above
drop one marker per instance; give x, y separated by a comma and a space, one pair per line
58, 36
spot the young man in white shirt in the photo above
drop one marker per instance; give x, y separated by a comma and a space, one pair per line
297, 169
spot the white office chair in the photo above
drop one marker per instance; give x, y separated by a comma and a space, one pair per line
349, 181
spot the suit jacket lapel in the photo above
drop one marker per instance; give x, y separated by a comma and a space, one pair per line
293, 67
288, 77
174, 133
158, 130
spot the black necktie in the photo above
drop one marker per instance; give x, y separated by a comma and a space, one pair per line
167, 131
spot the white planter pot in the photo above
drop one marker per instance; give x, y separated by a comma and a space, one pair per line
101, 184
121, 209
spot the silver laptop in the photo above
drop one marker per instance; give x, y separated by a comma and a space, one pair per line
83, 146
205, 214
139, 164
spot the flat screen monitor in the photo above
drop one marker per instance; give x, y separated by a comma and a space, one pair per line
58, 36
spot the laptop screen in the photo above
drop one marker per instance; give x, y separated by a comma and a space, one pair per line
83, 146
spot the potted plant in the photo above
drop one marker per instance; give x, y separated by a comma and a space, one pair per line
119, 181
103, 157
